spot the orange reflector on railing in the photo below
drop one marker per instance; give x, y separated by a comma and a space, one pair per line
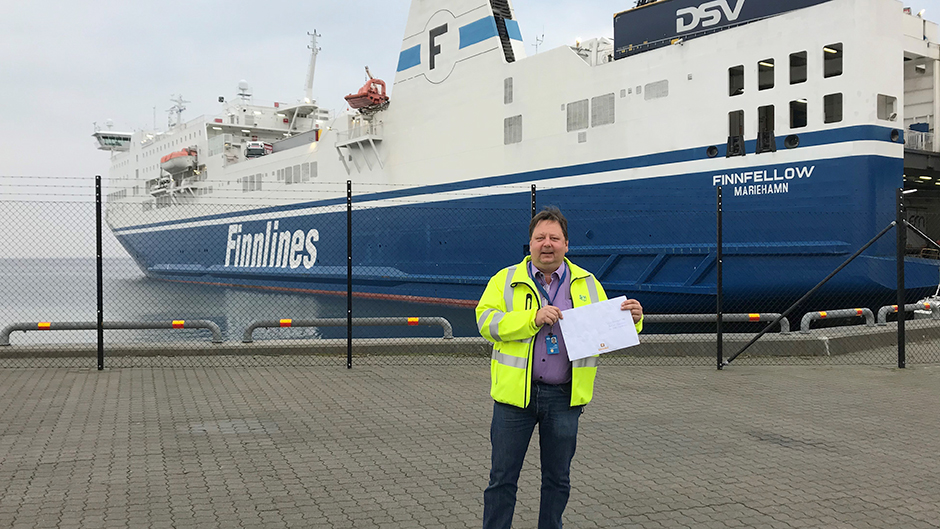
895, 307
44, 325
822, 314
858, 311
927, 306
412, 321
286, 322
753, 317
179, 324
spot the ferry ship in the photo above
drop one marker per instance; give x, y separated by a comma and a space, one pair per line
800, 110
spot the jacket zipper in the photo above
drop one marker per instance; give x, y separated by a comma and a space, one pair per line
531, 357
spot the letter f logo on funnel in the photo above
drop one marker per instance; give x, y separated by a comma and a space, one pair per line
442, 44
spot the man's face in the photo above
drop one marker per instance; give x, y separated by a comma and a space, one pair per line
548, 246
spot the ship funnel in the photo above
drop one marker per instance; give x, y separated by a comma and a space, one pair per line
446, 36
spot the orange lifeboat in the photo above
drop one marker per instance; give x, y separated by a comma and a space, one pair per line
179, 161
372, 94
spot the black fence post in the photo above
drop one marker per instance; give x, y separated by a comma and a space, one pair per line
348, 274
902, 247
718, 263
533, 201
98, 266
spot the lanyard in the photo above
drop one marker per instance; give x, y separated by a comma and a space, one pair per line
538, 285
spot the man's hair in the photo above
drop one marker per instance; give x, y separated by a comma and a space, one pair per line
553, 214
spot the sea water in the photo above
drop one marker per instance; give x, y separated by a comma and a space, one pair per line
64, 290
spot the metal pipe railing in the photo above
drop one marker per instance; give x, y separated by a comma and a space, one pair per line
342, 322
711, 318
810, 317
110, 325
892, 309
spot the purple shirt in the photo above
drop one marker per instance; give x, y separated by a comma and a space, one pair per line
552, 369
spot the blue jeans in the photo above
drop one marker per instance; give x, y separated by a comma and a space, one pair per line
510, 432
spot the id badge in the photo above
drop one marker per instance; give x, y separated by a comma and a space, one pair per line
551, 344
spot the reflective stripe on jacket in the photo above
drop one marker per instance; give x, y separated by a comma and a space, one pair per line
506, 317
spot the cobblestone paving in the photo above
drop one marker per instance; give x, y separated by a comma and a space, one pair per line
407, 447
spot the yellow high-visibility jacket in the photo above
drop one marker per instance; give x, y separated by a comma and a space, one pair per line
506, 317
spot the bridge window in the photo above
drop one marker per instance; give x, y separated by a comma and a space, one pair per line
797, 113
798, 67
736, 80
832, 60
765, 74
832, 107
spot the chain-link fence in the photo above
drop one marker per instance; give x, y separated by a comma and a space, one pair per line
196, 283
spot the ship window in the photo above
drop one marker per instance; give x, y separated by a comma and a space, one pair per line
736, 80
735, 133
765, 74
736, 123
297, 174
832, 60
507, 91
797, 113
288, 175
578, 115
798, 67
313, 169
766, 142
512, 130
832, 105
258, 182
602, 110
887, 107
305, 170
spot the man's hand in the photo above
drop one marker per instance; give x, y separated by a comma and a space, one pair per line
548, 315
634, 307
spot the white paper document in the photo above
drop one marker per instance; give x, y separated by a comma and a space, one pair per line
597, 328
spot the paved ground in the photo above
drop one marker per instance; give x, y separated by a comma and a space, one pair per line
407, 447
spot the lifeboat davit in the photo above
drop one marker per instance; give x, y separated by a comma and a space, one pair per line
179, 161
372, 94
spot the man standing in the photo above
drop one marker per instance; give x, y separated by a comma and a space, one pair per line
532, 380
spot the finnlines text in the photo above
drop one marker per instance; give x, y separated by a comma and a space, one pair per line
270, 248
763, 182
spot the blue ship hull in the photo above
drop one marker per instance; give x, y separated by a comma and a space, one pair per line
653, 239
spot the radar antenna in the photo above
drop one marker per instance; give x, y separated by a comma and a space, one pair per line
176, 111
538, 41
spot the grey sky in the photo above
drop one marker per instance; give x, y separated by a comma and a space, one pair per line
69, 64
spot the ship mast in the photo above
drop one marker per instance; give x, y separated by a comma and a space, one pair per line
314, 50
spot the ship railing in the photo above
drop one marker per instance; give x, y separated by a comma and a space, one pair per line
920, 141
360, 131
